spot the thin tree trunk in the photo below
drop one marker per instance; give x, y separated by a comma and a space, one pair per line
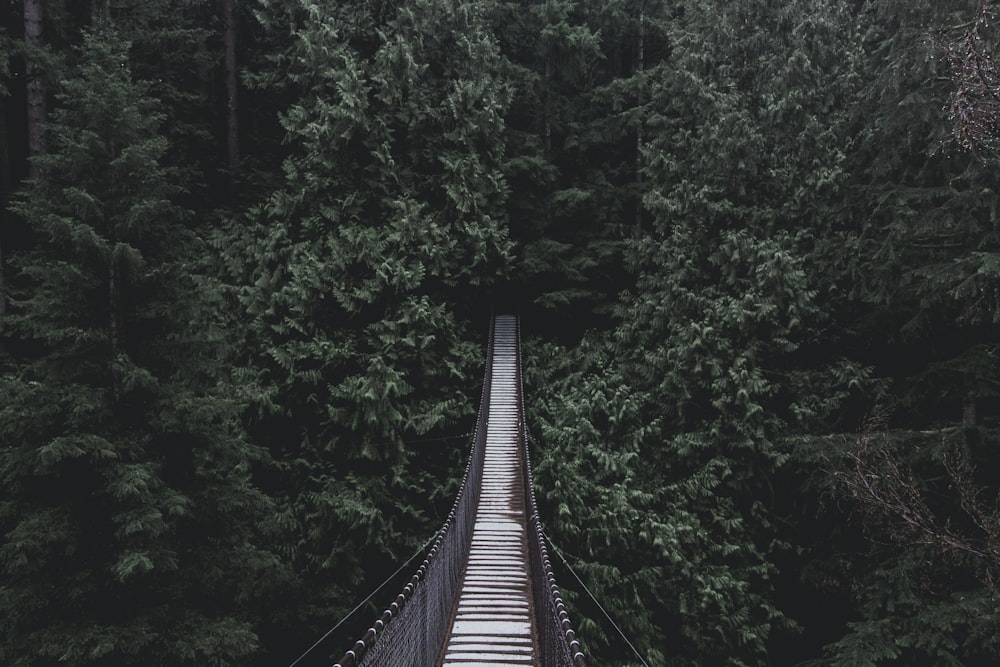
640, 65
969, 411
100, 11
4, 190
232, 74
113, 307
3, 297
113, 321
35, 84
548, 104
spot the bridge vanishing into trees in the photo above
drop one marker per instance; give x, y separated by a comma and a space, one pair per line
485, 594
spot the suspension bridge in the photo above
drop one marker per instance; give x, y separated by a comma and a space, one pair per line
485, 595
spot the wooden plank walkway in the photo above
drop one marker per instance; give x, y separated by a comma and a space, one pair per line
493, 624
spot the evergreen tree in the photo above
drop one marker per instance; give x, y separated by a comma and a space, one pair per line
126, 511
570, 160
179, 49
364, 271
924, 257
746, 165
926, 582
719, 353
923, 303
773, 216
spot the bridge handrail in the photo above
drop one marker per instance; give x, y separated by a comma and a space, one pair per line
432, 624
557, 643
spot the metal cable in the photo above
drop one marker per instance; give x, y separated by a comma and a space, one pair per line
421, 615
363, 602
557, 639
412, 630
592, 597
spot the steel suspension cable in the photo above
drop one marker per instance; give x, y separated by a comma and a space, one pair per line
392, 576
592, 597
557, 639
411, 630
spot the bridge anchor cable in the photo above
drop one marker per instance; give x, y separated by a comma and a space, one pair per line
595, 601
415, 629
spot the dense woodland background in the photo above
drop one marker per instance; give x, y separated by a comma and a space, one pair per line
249, 250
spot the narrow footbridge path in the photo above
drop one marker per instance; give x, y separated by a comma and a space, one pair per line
485, 595
494, 622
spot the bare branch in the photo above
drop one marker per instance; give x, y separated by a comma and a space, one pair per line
889, 494
974, 105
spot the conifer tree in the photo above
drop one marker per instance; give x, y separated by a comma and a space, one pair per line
925, 257
125, 509
362, 273
673, 438
923, 264
569, 162
761, 208
179, 48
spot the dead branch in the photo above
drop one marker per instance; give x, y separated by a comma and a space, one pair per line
888, 493
974, 105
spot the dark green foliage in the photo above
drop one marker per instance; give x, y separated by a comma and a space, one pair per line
672, 450
364, 268
922, 290
126, 508
925, 578
924, 258
667, 552
744, 161
570, 160
733, 230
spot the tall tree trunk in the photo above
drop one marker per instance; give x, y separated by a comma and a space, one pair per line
639, 67
100, 10
547, 109
229, 28
548, 104
36, 84
3, 298
4, 190
114, 305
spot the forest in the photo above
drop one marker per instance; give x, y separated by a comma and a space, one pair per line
249, 250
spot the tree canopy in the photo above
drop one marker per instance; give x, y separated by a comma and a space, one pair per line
248, 254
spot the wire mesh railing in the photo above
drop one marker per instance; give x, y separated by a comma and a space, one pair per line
412, 630
557, 642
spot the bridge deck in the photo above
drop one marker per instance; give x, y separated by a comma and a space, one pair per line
493, 624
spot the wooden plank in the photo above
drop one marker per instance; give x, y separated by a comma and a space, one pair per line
493, 624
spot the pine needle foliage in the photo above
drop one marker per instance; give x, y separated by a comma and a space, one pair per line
361, 274
127, 515
734, 229
672, 430
924, 257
